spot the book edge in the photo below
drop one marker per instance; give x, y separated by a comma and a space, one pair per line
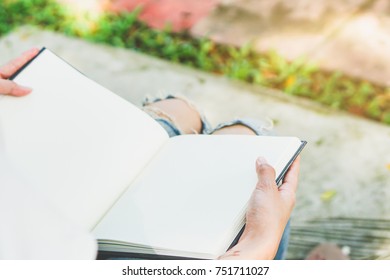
285, 169
14, 75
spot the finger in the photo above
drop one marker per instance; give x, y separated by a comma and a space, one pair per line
290, 180
14, 65
265, 174
8, 87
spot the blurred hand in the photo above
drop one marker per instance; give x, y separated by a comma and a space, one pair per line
267, 215
10, 87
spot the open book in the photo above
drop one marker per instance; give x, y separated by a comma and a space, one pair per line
110, 168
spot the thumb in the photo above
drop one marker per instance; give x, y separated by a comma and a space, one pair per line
11, 88
265, 174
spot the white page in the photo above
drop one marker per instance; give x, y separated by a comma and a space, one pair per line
78, 142
33, 228
194, 192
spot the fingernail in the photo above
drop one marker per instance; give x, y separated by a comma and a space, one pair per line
21, 90
25, 88
261, 160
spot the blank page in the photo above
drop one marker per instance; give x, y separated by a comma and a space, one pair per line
192, 197
78, 142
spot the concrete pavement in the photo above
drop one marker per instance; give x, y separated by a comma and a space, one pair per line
350, 36
345, 167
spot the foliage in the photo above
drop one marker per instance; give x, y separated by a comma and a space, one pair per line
267, 69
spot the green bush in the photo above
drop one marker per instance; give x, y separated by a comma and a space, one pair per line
267, 69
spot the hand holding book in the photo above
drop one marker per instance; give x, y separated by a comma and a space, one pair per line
128, 161
267, 215
9, 87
